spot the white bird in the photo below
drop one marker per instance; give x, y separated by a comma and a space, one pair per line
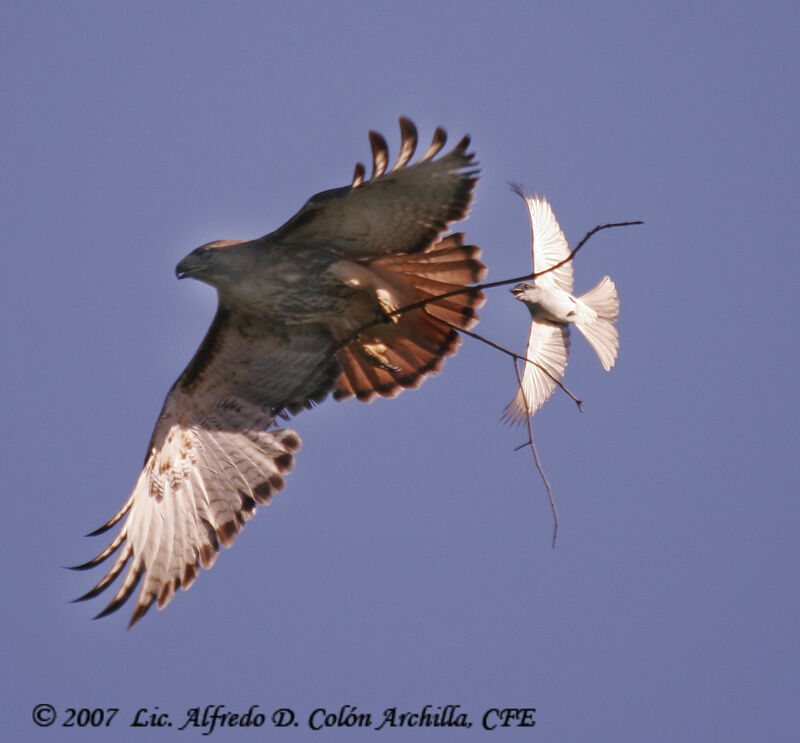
553, 308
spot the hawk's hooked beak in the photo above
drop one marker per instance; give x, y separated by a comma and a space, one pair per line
198, 261
182, 269
189, 266
517, 290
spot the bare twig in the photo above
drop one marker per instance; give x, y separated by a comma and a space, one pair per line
504, 282
530, 443
517, 357
350, 337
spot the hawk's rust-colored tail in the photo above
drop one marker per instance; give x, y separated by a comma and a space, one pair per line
401, 352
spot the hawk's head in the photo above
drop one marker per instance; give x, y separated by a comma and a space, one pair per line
208, 263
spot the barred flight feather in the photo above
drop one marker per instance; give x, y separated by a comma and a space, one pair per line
196, 492
380, 154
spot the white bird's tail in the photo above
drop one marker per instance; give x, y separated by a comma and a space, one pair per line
599, 328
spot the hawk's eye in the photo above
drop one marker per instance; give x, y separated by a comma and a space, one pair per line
204, 253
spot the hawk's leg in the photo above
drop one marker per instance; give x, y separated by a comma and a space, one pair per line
374, 353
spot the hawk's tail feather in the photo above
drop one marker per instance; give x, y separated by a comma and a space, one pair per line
454, 310
445, 267
405, 354
402, 352
423, 361
448, 261
363, 380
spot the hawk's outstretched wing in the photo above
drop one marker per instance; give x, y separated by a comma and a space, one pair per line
403, 210
320, 313
214, 455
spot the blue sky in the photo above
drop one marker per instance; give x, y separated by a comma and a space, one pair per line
408, 560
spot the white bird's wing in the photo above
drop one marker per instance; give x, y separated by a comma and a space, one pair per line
548, 348
548, 244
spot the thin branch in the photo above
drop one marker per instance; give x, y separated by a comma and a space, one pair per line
517, 357
350, 337
504, 282
530, 443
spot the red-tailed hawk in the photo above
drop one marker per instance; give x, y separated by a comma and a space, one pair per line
553, 309
283, 338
